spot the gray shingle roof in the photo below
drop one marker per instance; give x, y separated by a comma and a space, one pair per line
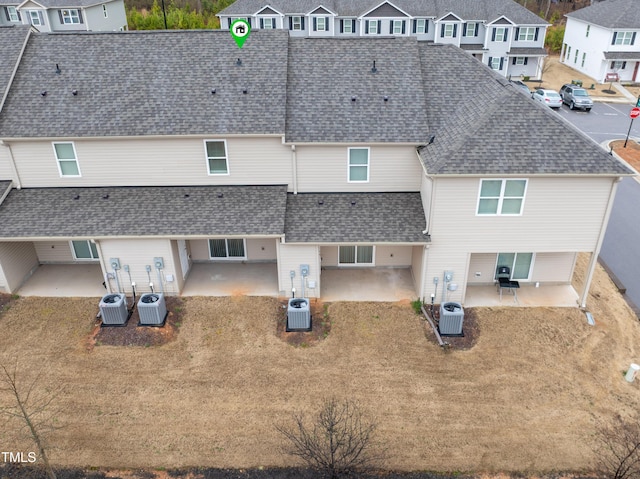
483, 126
148, 83
326, 75
610, 14
622, 55
375, 217
69, 3
12, 39
527, 52
143, 211
487, 10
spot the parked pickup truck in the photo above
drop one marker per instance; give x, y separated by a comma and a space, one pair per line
576, 97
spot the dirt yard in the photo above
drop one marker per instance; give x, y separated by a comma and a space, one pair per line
524, 398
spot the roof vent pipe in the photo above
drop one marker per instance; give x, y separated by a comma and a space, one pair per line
58, 71
374, 69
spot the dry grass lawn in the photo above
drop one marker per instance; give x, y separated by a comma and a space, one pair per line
524, 398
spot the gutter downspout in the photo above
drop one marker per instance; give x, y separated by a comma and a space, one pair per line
103, 266
423, 281
596, 252
294, 168
12, 162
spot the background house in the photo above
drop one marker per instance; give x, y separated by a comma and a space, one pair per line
500, 33
54, 16
179, 169
601, 39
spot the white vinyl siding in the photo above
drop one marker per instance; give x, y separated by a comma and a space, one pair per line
356, 256
554, 268
501, 197
256, 161
358, 165
67, 159
54, 252
13, 14
383, 255
232, 248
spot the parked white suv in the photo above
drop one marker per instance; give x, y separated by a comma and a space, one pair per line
576, 97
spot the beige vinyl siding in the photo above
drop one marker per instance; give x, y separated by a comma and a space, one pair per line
175, 259
137, 253
384, 255
417, 253
325, 168
6, 172
560, 215
54, 252
329, 256
290, 257
553, 267
167, 161
199, 250
17, 263
253, 249
426, 187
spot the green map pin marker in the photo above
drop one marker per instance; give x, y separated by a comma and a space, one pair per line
240, 31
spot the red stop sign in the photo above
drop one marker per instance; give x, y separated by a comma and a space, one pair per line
634, 113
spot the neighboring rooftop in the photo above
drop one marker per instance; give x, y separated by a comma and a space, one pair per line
355, 217
65, 3
143, 211
610, 14
487, 10
12, 41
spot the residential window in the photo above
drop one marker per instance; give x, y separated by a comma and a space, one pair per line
397, 27
267, 23
575, 56
70, 17
321, 24
104, 10
371, 27
496, 63
499, 34
216, 151
227, 248
623, 38
520, 61
470, 29
296, 23
501, 197
584, 57
355, 255
37, 17
618, 65
448, 30
568, 53
420, 25
84, 250
526, 34
588, 28
67, 159
12, 14
347, 26
518, 263
358, 165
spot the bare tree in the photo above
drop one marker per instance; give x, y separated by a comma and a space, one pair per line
617, 450
340, 440
32, 406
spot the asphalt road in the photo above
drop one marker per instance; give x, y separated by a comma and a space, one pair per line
621, 247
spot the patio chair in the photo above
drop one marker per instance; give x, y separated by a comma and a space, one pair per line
504, 281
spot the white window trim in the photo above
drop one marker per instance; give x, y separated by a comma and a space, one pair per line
424, 26
501, 197
73, 252
72, 19
397, 23
368, 165
370, 23
228, 258
625, 36
325, 26
448, 34
40, 15
511, 267
520, 60
272, 20
356, 264
207, 158
527, 30
298, 23
471, 32
501, 34
345, 22
496, 61
58, 160
13, 13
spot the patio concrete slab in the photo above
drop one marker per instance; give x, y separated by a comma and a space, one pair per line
367, 284
231, 279
65, 280
562, 295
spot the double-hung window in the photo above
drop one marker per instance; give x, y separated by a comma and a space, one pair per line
420, 25
397, 27
70, 17
216, 151
84, 250
499, 34
296, 23
501, 197
268, 23
448, 30
67, 159
232, 248
12, 14
37, 17
470, 29
372, 27
358, 165
355, 255
348, 26
321, 24
518, 263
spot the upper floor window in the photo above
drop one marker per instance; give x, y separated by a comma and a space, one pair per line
267, 23
588, 28
296, 23
67, 159
320, 24
470, 29
12, 14
397, 27
420, 25
104, 10
496, 63
70, 17
347, 26
584, 57
372, 27
448, 30
499, 34
37, 17
527, 34
501, 197
216, 151
358, 165
575, 57
623, 38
